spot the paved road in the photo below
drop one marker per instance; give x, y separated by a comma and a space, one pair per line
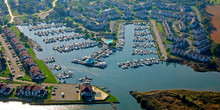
13, 60
198, 16
43, 15
158, 39
9, 10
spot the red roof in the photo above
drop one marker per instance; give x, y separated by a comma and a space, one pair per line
86, 88
19, 46
23, 53
2, 86
28, 61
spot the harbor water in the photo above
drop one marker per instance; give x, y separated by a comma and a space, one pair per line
119, 81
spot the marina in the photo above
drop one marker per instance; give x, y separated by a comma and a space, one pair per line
75, 46
49, 60
62, 38
121, 37
119, 81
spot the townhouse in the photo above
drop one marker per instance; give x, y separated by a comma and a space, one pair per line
31, 91
201, 49
181, 25
5, 89
25, 57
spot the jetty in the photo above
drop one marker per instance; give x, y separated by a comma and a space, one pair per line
114, 106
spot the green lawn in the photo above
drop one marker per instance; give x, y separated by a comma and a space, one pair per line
160, 28
11, 82
3, 49
5, 73
216, 2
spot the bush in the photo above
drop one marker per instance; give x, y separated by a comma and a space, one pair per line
216, 50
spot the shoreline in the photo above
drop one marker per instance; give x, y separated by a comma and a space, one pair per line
192, 64
54, 102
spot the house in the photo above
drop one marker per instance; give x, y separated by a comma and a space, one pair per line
86, 91
36, 73
181, 25
31, 90
178, 52
19, 48
28, 63
7, 30
202, 48
180, 44
193, 23
198, 57
201, 42
167, 28
199, 36
11, 35
5, 89
199, 30
24, 54
14, 41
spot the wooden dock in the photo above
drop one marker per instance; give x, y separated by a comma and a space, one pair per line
114, 106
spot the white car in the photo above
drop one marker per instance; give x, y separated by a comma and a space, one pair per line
62, 94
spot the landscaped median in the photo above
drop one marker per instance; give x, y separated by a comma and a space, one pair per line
42, 66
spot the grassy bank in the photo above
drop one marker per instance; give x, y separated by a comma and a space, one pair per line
6, 72
178, 99
46, 71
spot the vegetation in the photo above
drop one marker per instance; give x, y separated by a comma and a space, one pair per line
177, 99
28, 6
4, 13
216, 50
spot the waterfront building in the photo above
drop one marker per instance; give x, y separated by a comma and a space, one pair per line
31, 90
86, 91
5, 89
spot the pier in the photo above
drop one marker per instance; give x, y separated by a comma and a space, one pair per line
114, 106
101, 54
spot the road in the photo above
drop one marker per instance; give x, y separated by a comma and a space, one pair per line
12, 60
9, 10
158, 39
198, 16
42, 15
197, 12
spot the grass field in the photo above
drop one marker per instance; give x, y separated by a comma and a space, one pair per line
5, 73
216, 2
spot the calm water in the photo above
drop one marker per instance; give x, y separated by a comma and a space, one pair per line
161, 76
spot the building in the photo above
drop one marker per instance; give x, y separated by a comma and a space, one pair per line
5, 89
202, 48
86, 91
181, 25
31, 91
193, 23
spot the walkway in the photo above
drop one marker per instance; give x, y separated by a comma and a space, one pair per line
198, 16
10, 57
159, 41
42, 15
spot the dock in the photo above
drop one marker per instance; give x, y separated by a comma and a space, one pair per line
114, 106
101, 54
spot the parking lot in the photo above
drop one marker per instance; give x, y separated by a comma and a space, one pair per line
11, 58
69, 91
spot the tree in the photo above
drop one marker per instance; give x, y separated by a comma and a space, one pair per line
0, 30
216, 50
